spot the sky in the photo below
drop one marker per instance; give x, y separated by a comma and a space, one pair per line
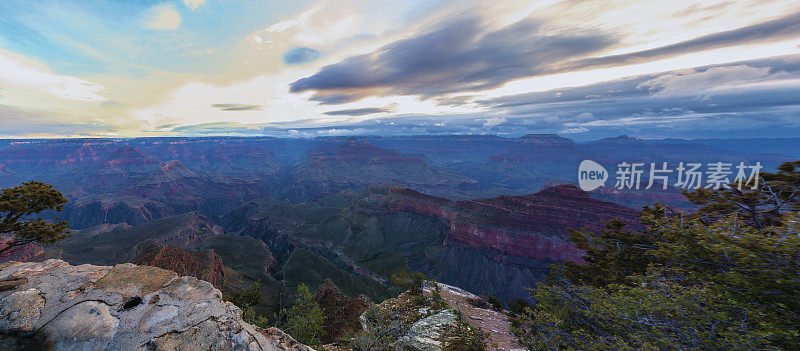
581, 69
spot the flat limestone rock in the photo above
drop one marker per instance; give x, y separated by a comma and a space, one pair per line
20, 310
426, 334
53, 305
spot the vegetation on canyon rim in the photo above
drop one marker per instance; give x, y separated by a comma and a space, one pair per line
723, 277
726, 277
19, 203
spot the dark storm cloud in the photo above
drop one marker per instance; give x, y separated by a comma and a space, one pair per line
786, 27
745, 98
359, 111
458, 55
461, 55
336, 99
237, 107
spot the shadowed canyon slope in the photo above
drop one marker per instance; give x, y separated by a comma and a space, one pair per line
490, 246
138, 180
481, 212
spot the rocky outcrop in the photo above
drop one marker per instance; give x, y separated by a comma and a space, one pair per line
428, 333
54, 305
203, 265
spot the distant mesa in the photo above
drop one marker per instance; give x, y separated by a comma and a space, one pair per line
546, 140
176, 170
131, 158
127, 152
621, 140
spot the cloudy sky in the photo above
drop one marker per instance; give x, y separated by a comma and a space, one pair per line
582, 69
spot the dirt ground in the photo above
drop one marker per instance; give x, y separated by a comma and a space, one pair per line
493, 322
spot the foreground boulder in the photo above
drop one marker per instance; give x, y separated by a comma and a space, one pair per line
54, 305
428, 333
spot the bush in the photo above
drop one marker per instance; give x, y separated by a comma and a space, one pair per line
382, 330
304, 321
467, 338
437, 301
726, 277
410, 281
495, 302
723, 286
247, 298
479, 303
518, 306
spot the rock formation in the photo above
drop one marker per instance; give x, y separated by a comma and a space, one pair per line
530, 226
54, 305
203, 265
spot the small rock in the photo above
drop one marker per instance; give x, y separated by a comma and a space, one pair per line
21, 310
11, 284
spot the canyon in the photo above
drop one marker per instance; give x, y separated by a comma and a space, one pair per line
483, 213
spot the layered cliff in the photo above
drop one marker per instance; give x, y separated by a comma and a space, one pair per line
203, 265
530, 226
497, 246
54, 305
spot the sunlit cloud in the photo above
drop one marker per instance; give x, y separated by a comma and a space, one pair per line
163, 16
430, 67
193, 4
18, 73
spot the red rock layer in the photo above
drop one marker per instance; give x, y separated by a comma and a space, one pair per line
531, 226
19, 253
203, 265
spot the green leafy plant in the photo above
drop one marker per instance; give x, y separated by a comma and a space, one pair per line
20, 203
381, 330
465, 337
304, 321
724, 278
411, 281
495, 303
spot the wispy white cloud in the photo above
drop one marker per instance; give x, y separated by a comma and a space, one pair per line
162, 16
193, 4
574, 130
18, 73
693, 82
494, 121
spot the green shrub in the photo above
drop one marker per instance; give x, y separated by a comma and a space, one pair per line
467, 338
382, 330
411, 281
517, 306
495, 302
304, 321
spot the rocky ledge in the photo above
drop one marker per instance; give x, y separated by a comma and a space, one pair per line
54, 305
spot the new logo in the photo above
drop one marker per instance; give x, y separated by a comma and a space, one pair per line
591, 175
